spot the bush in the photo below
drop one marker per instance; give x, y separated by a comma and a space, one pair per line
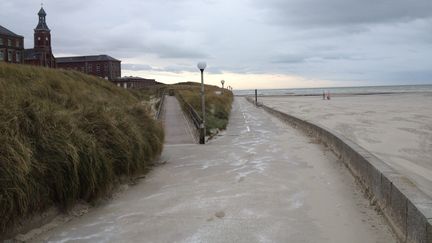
66, 136
218, 106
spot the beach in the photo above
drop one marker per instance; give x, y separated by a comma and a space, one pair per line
397, 128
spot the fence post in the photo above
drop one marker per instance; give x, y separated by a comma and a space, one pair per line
256, 97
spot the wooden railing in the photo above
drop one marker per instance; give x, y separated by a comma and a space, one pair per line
191, 115
189, 111
161, 105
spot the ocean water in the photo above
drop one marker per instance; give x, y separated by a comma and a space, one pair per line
339, 90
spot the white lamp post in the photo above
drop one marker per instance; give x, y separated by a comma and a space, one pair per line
201, 66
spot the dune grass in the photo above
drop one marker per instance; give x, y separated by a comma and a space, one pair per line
66, 136
218, 103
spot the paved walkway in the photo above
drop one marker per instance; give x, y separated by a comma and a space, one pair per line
262, 181
177, 130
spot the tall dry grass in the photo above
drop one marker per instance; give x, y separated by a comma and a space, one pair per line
67, 136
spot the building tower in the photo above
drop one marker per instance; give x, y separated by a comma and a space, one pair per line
41, 54
42, 34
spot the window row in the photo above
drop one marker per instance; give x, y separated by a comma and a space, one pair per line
10, 42
10, 56
98, 68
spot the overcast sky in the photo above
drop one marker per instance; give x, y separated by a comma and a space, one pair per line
249, 43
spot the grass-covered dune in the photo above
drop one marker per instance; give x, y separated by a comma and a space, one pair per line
218, 103
67, 136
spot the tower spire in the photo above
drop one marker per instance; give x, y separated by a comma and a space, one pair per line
42, 20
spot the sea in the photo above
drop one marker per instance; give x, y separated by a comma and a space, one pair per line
337, 90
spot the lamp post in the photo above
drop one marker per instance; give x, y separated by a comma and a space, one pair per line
222, 82
201, 66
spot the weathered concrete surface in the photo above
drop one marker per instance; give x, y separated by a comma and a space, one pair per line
397, 128
262, 181
177, 129
407, 209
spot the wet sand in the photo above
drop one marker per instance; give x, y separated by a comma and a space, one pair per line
397, 128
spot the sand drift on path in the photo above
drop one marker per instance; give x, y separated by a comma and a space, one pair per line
262, 181
397, 128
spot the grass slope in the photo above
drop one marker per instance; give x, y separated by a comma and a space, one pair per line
218, 106
67, 136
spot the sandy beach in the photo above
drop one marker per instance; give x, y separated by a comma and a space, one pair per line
397, 128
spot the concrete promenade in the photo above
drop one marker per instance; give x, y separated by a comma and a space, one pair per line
261, 181
177, 130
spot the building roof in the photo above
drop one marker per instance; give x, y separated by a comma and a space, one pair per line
34, 53
4, 31
42, 12
94, 58
31, 54
42, 22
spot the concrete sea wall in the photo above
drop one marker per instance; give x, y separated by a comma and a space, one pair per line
407, 209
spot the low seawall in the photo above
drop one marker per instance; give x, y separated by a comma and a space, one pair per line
407, 209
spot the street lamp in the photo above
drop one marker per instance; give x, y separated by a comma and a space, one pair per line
222, 82
201, 66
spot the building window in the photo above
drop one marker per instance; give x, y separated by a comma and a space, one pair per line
17, 43
18, 56
97, 68
1, 41
38, 38
9, 42
1, 55
10, 56
90, 68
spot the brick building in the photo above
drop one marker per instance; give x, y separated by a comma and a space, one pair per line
134, 82
12, 50
11, 46
103, 66
41, 54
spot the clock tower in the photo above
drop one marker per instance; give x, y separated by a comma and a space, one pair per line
42, 34
41, 54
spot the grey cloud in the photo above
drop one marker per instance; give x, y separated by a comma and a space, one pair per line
344, 12
169, 69
136, 67
317, 57
166, 51
412, 77
177, 69
370, 40
290, 59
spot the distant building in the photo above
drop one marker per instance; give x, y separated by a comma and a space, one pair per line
12, 50
41, 54
11, 46
134, 82
103, 66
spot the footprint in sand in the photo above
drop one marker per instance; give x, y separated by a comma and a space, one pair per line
220, 214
